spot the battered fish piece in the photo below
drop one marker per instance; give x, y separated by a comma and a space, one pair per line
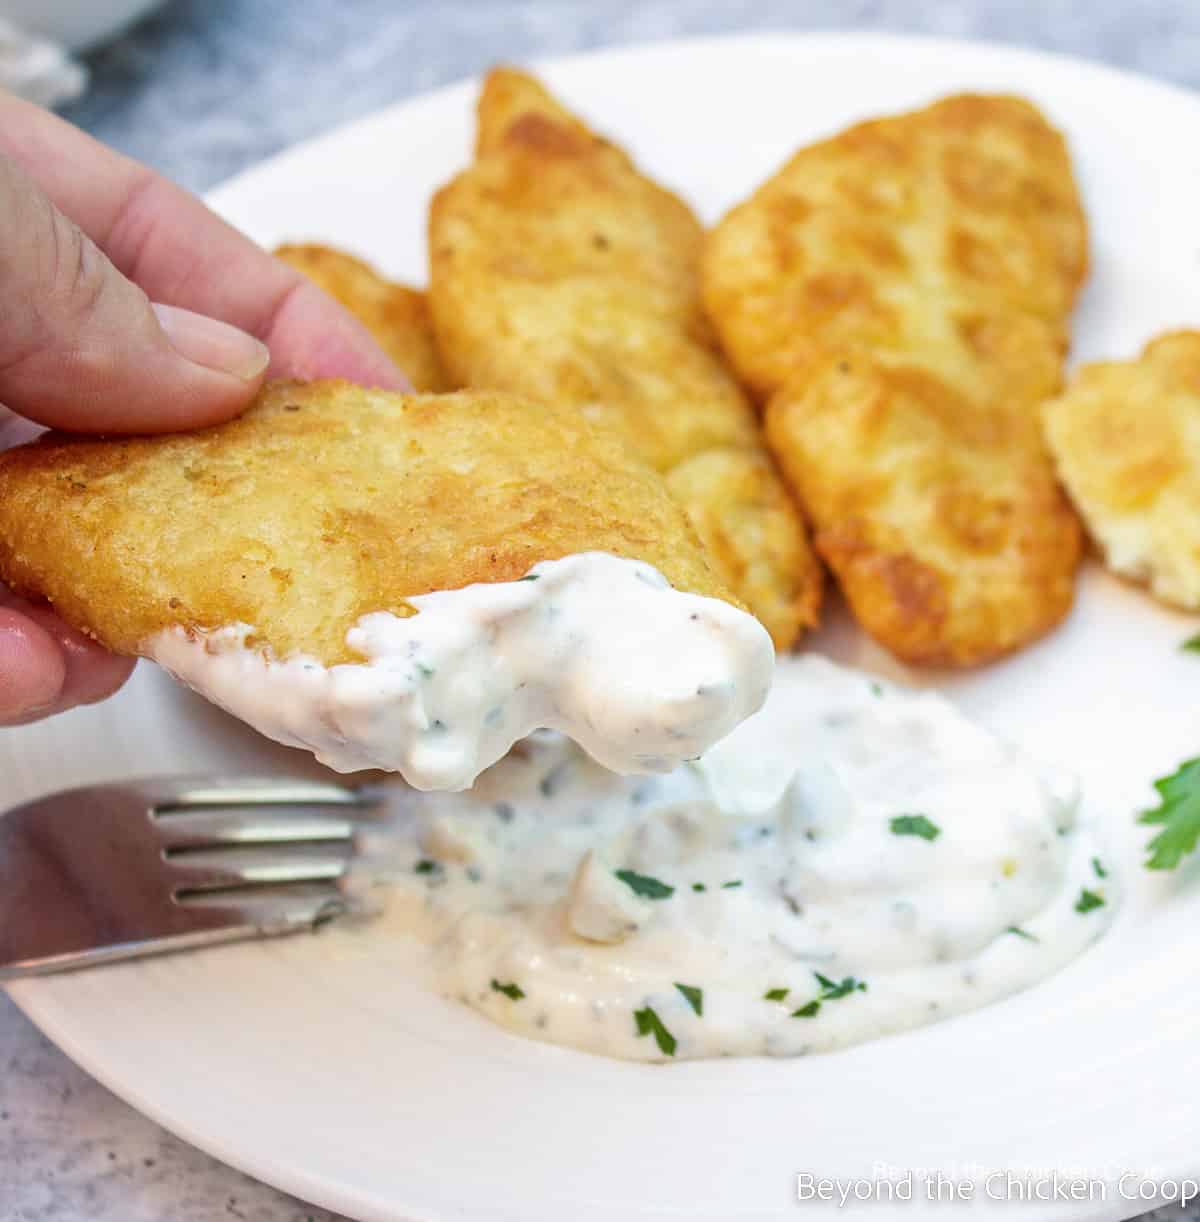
900, 296
1125, 436
406, 582
934, 232
560, 272
939, 516
396, 315
325, 502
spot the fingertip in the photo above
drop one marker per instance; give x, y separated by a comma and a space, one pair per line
212, 371
91, 672
96, 678
213, 344
313, 336
384, 376
147, 387
33, 668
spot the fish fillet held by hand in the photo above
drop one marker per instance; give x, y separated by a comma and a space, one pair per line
1126, 438
395, 314
402, 582
560, 272
899, 295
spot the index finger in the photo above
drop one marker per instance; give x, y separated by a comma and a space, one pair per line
181, 253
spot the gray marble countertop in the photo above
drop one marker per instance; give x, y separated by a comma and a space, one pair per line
208, 87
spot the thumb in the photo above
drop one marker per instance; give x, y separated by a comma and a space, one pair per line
83, 349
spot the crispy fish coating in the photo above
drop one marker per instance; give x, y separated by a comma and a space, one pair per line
927, 231
560, 272
1125, 436
323, 503
940, 517
901, 294
746, 520
396, 315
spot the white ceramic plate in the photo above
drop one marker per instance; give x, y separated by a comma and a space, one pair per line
323, 1066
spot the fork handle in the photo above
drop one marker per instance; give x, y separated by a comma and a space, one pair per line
296, 920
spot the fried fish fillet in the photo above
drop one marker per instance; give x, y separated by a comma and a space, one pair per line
324, 503
396, 315
560, 272
1126, 438
900, 294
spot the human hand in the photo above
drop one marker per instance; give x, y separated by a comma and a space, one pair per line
112, 280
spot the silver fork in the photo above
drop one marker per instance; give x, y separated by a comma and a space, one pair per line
141, 867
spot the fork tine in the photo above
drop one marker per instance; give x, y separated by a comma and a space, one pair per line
204, 870
197, 828
273, 908
169, 794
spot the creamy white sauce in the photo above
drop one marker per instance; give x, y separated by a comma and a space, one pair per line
783, 862
600, 648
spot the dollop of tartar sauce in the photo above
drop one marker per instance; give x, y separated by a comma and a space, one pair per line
854, 860
598, 647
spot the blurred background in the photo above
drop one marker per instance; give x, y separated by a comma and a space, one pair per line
201, 89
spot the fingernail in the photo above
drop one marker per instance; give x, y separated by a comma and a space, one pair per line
215, 345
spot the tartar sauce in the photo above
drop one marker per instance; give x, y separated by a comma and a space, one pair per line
854, 860
601, 648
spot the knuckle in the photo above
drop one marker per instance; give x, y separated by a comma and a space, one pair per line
48, 265
75, 274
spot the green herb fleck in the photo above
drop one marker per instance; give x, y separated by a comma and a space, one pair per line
645, 886
876, 689
426, 672
693, 996
1179, 813
775, 995
529, 577
427, 866
832, 990
699, 887
733, 882
512, 991
915, 825
1023, 933
1088, 900
648, 1023
1098, 867
1192, 644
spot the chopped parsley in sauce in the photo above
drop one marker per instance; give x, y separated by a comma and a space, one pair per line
648, 1023
914, 825
831, 990
693, 996
646, 886
1088, 901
